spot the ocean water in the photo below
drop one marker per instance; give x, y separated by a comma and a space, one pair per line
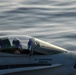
53, 21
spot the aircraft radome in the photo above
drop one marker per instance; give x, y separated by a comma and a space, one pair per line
25, 55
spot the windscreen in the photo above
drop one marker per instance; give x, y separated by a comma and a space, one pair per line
47, 48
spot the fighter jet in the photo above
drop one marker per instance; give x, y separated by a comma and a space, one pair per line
26, 55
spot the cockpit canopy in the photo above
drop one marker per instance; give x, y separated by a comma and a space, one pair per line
6, 42
28, 44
